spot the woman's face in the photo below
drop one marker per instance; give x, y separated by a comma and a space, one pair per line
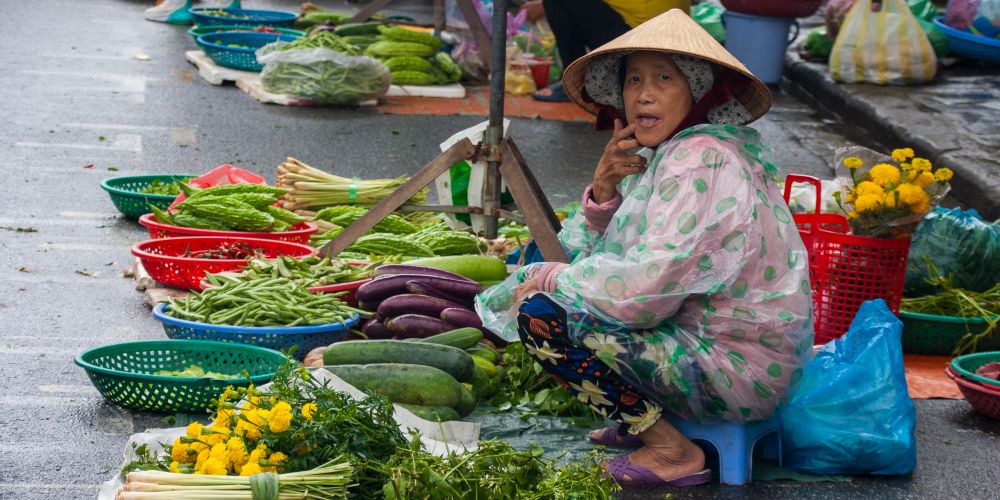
657, 96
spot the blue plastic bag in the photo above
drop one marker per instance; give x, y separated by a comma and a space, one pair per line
852, 413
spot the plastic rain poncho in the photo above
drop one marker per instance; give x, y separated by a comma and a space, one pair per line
701, 274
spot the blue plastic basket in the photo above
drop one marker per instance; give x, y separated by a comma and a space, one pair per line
273, 18
306, 338
216, 46
197, 31
969, 45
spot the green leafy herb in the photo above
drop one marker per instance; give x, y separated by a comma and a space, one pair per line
527, 388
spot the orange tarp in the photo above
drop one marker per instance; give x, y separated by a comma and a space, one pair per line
925, 377
477, 102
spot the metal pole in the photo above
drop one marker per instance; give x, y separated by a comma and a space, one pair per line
494, 132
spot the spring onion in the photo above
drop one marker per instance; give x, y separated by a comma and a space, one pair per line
311, 188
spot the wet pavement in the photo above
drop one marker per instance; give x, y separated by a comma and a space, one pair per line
80, 105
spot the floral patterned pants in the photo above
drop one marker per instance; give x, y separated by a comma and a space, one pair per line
542, 326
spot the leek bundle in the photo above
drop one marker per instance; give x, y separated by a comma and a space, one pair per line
311, 188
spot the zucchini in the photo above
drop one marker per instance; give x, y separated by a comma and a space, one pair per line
467, 402
403, 383
474, 267
462, 338
432, 413
455, 362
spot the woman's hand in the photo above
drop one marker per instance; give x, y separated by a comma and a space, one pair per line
535, 10
531, 285
616, 164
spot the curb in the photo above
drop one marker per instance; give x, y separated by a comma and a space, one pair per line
977, 180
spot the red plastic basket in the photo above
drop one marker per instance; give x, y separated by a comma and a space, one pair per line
846, 270
984, 399
163, 259
299, 233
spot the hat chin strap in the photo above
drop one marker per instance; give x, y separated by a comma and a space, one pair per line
719, 94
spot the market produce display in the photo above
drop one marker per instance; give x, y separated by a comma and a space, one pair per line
230, 207
309, 272
166, 188
413, 57
194, 371
311, 188
957, 302
262, 302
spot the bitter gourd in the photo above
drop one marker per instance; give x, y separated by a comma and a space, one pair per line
392, 49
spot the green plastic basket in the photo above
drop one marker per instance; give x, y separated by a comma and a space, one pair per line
123, 373
197, 31
933, 334
129, 201
967, 365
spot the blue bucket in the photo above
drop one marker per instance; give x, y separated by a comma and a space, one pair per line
759, 42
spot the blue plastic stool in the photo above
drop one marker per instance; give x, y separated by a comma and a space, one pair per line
735, 443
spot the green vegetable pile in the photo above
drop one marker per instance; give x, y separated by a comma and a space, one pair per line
230, 207
165, 188
528, 389
262, 302
414, 58
308, 272
194, 371
322, 39
958, 302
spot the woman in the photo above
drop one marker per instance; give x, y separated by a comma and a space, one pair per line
689, 288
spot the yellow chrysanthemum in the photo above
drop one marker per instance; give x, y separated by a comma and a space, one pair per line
867, 202
921, 165
902, 154
250, 469
868, 187
943, 174
223, 418
853, 162
924, 179
889, 199
276, 459
214, 467
251, 422
220, 452
200, 462
308, 410
911, 195
281, 417
194, 430
175, 467
237, 451
179, 451
198, 447
884, 174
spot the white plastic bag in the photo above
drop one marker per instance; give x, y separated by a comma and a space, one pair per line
886, 46
322, 75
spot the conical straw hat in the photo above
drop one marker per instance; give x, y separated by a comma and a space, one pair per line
673, 32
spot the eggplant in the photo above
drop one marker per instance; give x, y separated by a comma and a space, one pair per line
375, 329
408, 303
421, 288
388, 285
369, 306
389, 269
417, 325
460, 316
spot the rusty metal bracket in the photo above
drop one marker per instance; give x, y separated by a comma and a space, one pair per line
487, 152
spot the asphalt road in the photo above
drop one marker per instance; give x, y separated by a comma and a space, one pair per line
79, 106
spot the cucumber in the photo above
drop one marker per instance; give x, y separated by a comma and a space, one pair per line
462, 338
482, 385
467, 402
452, 361
403, 383
489, 368
432, 413
356, 29
475, 267
481, 351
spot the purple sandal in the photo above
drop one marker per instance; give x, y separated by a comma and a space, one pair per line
638, 475
611, 438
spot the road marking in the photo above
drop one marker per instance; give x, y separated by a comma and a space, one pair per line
121, 142
126, 83
69, 389
82, 247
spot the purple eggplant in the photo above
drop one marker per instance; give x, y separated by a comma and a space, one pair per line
460, 316
390, 269
411, 303
369, 306
375, 329
422, 288
388, 285
417, 325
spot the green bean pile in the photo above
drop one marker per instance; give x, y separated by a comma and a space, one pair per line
324, 40
262, 302
308, 272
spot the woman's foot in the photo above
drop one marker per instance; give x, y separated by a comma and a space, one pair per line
552, 93
610, 436
667, 454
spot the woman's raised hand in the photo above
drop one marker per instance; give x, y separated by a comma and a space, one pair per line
616, 164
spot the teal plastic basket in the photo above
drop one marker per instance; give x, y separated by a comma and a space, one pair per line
125, 193
238, 49
934, 334
205, 16
124, 373
967, 365
197, 31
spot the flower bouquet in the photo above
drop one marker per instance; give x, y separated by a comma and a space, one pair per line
887, 197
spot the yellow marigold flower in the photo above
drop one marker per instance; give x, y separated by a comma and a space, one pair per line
281, 417
902, 154
198, 447
214, 467
852, 215
868, 187
867, 202
906, 166
237, 451
889, 199
178, 451
921, 208
276, 459
911, 195
221, 453
308, 410
250, 469
921, 165
853, 162
200, 462
924, 179
943, 174
175, 467
194, 430
884, 174
223, 418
